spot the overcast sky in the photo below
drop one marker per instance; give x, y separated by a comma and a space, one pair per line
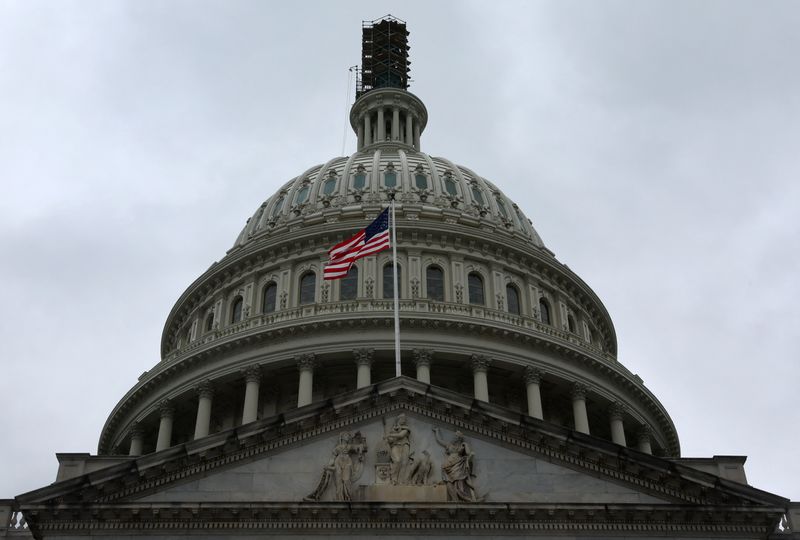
655, 145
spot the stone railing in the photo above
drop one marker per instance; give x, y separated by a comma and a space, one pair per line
441, 310
12, 522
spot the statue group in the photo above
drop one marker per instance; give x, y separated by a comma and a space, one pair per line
398, 465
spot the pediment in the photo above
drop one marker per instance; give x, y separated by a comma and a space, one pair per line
516, 459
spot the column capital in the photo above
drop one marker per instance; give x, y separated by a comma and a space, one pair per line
578, 391
252, 374
363, 357
616, 410
422, 357
480, 362
136, 430
532, 375
166, 409
205, 389
644, 433
305, 361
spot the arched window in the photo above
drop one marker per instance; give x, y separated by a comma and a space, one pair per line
302, 195
388, 280
268, 297
478, 196
308, 288
571, 323
278, 206
475, 285
209, 325
348, 287
450, 185
502, 209
329, 185
512, 299
236, 310
434, 280
187, 337
544, 311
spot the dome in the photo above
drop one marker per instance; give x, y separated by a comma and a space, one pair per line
485, 309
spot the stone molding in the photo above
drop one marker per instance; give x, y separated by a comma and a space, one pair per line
644, 433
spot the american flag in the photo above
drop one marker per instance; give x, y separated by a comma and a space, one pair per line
372, 239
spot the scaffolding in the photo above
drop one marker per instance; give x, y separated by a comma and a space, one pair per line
384, 55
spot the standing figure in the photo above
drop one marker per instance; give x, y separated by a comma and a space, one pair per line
457, 468
399, 440
345, 467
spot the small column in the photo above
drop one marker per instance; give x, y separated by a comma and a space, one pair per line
360, 137
422, 359
395, 124
137, 440
381, 135
167, 412
579, 408
644, 440
252, 377
409, 130
533, 377
205, 393
305, 387
364, 362
367, 130
615, 413
416, 136
480, 365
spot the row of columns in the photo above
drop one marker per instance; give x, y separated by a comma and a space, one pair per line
367, 136
363, 358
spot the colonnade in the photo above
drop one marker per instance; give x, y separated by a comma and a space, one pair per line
306, 365
373, 128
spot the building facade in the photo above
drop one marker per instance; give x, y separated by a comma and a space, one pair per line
276, 410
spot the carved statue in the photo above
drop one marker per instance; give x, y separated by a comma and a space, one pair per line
457, 468
421, 470
399, 440
345, 467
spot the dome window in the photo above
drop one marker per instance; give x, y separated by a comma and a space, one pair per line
571, 323
236, 311
450, 184
477, 196
209, 325
302, 195
308, 288
348, 288
544, 312
390, 176
421, 181
269, 297
278, 207
512, 299
434, 281
475, 285
388, 280
501, 207
360, 178
329, 186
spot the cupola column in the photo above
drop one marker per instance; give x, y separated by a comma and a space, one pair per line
615, 412
395, 124
305, 387
381, 126
167, 412
533, 377
416, 137
579, 414
360, 134
367, 130
205, 393
252, 377
364, 362
137, 440
480, 365
644, 440
422, 360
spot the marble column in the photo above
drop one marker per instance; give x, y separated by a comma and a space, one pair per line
579, 414
416, 136
167, 412
422, 360
252, 377
409, 130
363, 359
395, 124
205, 394
360, 137
367, 130
615, 413
381, 135
533, 377
480, 365
137, 440
305, 386
644, 440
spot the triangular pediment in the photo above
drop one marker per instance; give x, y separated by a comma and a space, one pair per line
516, 459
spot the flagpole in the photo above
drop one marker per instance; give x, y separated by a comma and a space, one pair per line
397, 370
